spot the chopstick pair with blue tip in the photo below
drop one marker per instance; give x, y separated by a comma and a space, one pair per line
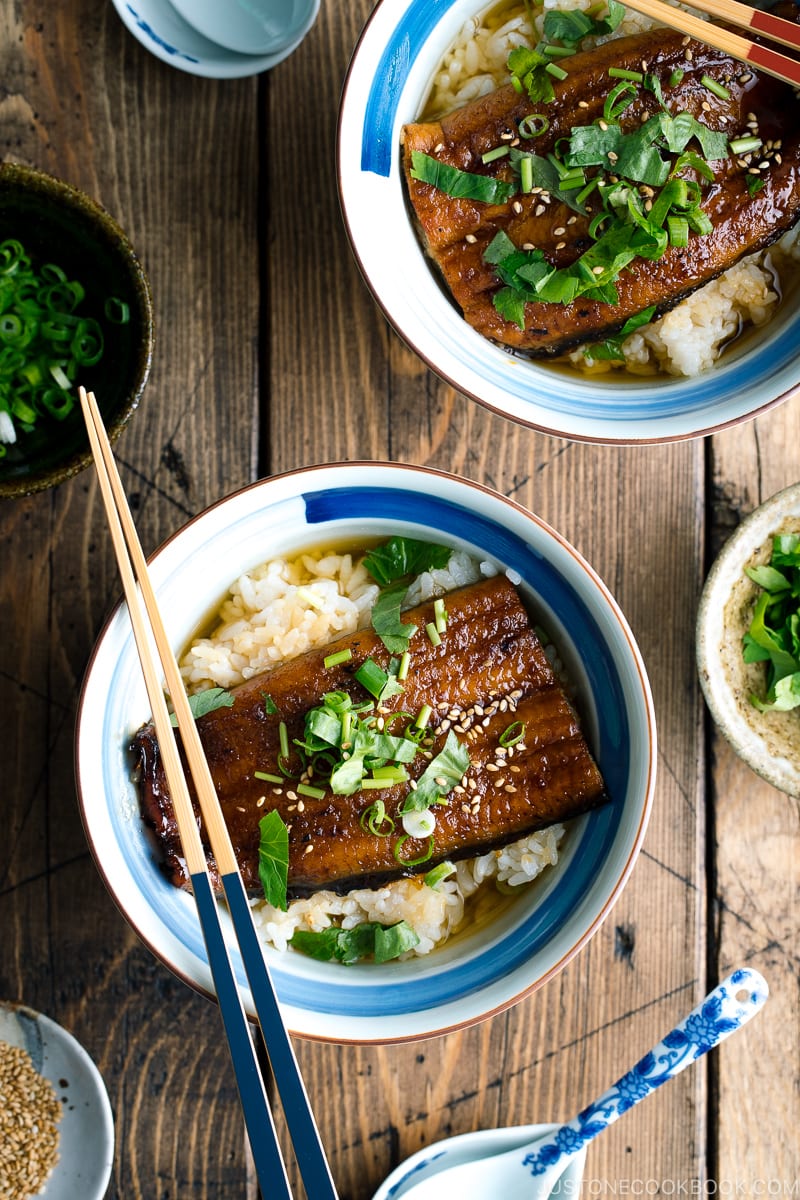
309, 1152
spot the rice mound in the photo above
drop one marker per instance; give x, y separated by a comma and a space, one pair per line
690, 338
288, 606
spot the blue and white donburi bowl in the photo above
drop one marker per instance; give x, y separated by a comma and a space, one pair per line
481, 971
389, 77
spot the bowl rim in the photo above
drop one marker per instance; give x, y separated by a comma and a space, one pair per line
745, 738
724, 408
92, 213
420, 1026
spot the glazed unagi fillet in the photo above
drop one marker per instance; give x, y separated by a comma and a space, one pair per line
456, 232
489, 670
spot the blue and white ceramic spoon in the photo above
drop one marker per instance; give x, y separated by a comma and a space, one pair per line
480, 1167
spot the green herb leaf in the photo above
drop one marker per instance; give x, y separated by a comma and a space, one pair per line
454, 182
383, 942
439, 777
270, 707
611, 349
205, 702
394, 633
754, 184
773, 636
402, 556
273, 859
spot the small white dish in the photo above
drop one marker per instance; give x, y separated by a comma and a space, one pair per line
163, 31
431, 1160
769, 742
249, 26
86, 1128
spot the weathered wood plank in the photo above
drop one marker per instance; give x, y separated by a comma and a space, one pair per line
174, 160
756, 851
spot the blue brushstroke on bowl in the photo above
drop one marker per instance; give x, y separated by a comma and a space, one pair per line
159, 41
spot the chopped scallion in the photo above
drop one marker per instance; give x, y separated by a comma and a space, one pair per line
267, 777
433, 634
440, 614
306, 789
423, 716
556, 71
405, 662
715, 88
512, 734
534, 125
622, 73
412, 862
745, 145
492, 155
438, 874
335, 660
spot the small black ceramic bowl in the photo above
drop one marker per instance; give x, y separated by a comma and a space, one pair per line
57, 223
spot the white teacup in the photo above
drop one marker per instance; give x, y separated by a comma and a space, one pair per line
249, 26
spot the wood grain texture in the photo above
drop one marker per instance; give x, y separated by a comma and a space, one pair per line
173, 159
272, 354
756, 854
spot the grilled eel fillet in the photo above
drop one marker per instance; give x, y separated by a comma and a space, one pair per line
489, 670
742, 224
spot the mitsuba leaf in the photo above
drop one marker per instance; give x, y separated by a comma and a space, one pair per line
273, 859
394, 633
382, 942
454, 182
205, 702
402, 556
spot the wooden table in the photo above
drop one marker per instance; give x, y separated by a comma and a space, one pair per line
271, 354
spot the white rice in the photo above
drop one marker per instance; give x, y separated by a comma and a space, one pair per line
690, 338
288, 606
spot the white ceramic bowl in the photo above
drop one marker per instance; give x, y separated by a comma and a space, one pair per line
769, 742
389, 77
86, 1127
477, 973
162, 30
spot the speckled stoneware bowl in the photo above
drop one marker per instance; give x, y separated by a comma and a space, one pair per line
492, 963
769, 742
58, 223
389, 77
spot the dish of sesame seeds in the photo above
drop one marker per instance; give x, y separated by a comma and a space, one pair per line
56, 1126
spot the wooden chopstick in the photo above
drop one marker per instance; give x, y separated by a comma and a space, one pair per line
763, 58
303, 1130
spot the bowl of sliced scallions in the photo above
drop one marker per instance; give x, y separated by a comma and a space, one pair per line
748, 640
75, 308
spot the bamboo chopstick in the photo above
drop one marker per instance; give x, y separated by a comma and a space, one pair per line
297, 1111
763, 58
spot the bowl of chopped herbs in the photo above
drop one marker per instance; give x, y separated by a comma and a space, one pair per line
748, 640
75, 308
